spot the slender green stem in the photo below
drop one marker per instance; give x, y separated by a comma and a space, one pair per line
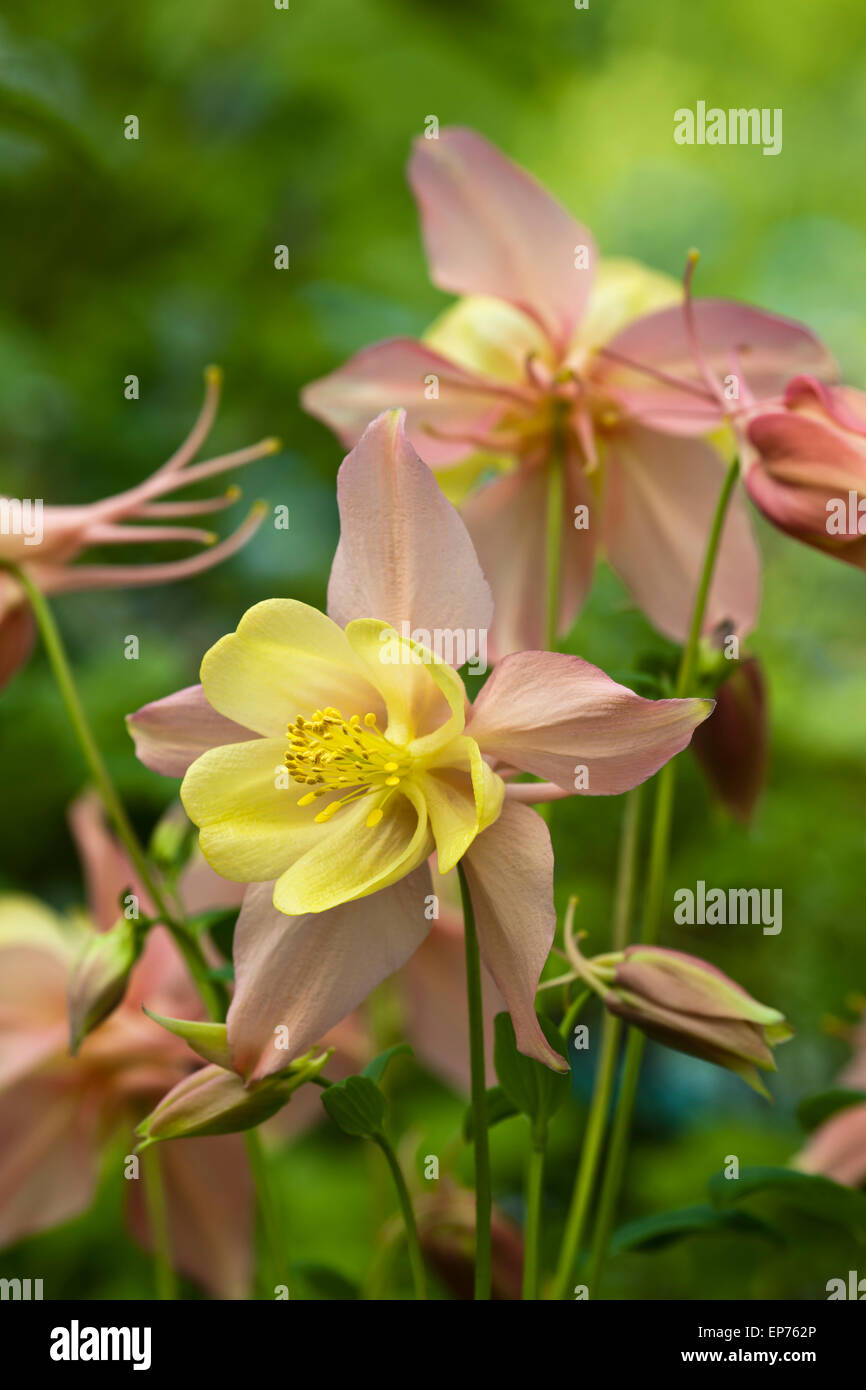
480, 1134
610, 1037
416, 1259
571, 1016
269, 1222
656, 875
592, 1141
157, 1217
532, 1230
213, 992
553, 546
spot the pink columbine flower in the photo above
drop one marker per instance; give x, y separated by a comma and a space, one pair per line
57, 1112
553, 353
340, 897
47, 541
837, 1148
805, 467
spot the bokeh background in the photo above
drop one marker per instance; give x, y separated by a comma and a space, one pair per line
261, 127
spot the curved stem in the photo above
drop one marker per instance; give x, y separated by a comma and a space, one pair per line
532, 1229
480, 1134
157, 1219
416, 1259
213, 992
656, 875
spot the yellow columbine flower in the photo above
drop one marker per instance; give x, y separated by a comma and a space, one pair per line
362, 767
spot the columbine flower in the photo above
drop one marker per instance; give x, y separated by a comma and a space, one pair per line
805, 467
326, 757
57, 1111
47, 541
837, 1148
686, 1004
548, 360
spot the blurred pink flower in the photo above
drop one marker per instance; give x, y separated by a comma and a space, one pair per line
404, 556
805, 467
555, 354
837, 1148
58, 1112
47, 541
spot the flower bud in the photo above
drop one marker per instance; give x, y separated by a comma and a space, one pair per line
805, 467
689, 1005
213, 1100
99, 976
732, 745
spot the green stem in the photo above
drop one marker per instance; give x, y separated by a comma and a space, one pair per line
416, 1259
157, 1218
660, 842
213, 992
610, 1037
553, 546
532, 1230
480, 1134
269, 1222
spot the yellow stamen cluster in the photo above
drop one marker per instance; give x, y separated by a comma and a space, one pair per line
328, 752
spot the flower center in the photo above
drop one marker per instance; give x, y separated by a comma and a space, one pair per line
328, 752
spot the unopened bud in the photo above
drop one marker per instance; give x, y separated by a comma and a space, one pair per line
99, 976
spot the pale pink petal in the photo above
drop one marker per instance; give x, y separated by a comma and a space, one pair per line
445, 404
837, 1149
305, 974
201, 889
561, 718
507, 520
170, 734
209, 1201
436, 1021
763, 351
50, 1159
107, 870
489, 228
660, 498
404, 554
509, 868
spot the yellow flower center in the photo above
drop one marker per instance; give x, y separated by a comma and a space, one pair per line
329, 752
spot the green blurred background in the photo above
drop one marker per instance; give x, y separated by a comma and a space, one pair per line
261, 127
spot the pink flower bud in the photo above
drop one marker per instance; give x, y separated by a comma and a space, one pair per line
689, 1005
805, 467
99, 976
732, 745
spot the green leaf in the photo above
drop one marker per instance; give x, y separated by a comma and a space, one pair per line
499, 1107
667, 1227
814, 1110
531, 1087
207, 1039
375, 1070
357, 1106
808, 1192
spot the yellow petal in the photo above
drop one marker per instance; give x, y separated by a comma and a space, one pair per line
285, 659
251, 827
463, 795
351, 860
425, 698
